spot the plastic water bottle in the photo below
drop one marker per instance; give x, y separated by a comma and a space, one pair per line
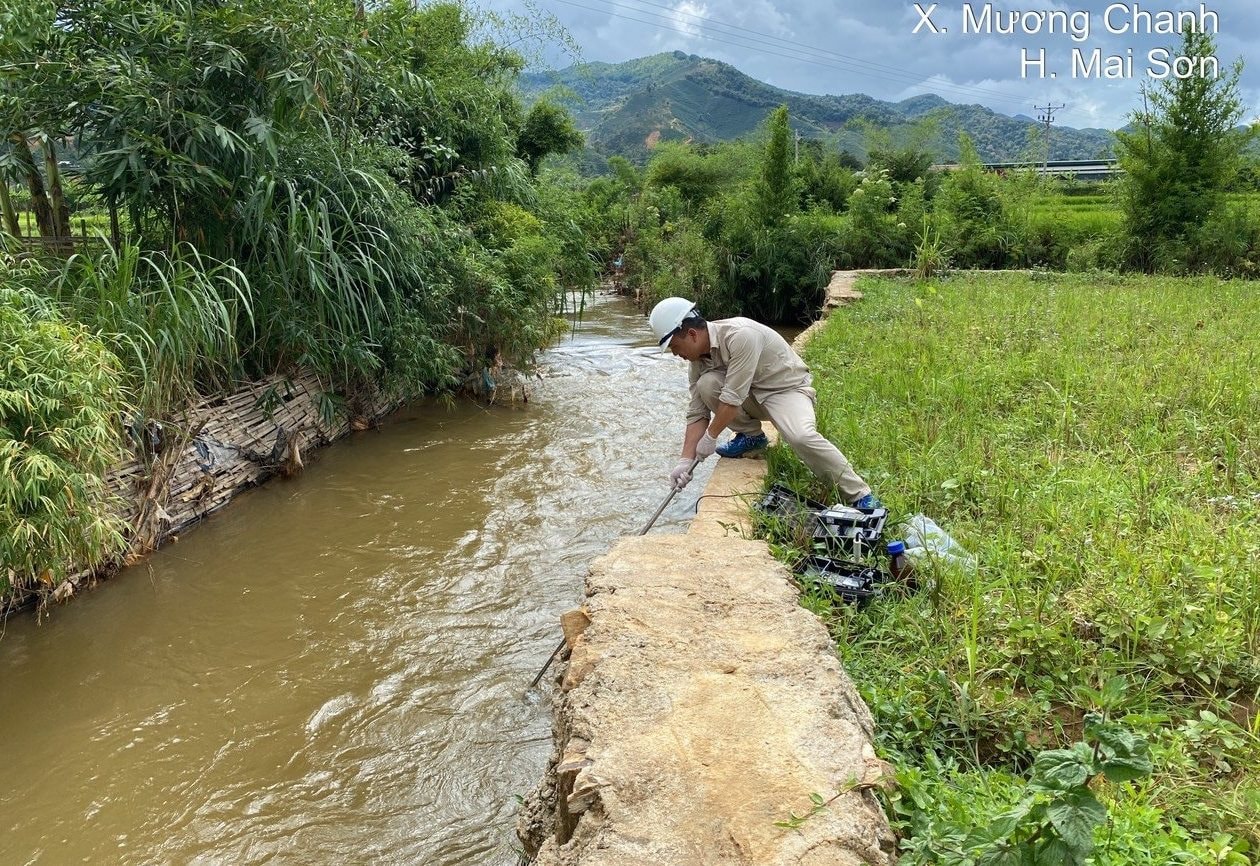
900, 566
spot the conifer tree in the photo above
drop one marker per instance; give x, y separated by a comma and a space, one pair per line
1180, 156
775, 192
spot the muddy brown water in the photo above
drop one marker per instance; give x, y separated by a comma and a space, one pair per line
332, 670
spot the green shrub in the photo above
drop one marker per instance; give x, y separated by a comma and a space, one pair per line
972, 214
724, 227
876, 237
60, 411
777, 272
1228, 242
1181, 154
824, 180
697, 178
686, 267
1103, 253
669, 254
312, 175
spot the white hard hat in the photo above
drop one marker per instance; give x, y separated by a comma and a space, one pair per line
667, 316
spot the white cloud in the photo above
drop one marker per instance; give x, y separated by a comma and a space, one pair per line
688, 17
866, 46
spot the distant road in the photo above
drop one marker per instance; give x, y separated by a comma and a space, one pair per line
1080, 169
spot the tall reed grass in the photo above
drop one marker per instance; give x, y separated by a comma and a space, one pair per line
172, 318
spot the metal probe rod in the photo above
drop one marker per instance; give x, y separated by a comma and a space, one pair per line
672, 491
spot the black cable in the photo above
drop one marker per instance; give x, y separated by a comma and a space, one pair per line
788, 45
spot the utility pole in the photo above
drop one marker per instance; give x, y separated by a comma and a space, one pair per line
797, 158
1047, 117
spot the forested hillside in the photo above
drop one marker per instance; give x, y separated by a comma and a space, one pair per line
626, 107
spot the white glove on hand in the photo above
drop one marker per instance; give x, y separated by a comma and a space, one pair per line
681, 476
706, 446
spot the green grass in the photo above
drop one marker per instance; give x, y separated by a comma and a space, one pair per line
1078, 216
1094, 441
1084, 216
93, 223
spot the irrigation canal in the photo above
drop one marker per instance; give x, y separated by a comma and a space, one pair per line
332, 669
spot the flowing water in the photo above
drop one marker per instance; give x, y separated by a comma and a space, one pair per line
333, 669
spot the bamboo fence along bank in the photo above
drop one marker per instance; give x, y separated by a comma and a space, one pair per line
183, 470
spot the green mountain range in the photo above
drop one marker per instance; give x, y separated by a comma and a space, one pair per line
625, 108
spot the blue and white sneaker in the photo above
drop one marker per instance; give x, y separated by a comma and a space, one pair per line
741, 444
869, 502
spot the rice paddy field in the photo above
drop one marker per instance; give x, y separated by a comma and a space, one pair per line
1083, 215
1088, 693
1094, 213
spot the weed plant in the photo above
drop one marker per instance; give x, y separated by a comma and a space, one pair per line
1092, 440
172, 319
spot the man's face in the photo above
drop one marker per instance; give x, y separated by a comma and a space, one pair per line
686, 344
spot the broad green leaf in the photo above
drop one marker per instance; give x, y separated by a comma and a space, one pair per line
1002, 826
1058, 770
1125, 755
1074, 818
1126, 769
1113, 693
1055, 852
1002, 854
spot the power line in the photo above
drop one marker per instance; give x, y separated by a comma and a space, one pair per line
775, 50
778, 49
891, 71
839, 62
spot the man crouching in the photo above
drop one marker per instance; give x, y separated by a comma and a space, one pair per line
742, 373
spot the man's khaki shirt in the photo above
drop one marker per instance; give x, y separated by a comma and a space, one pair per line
756, 360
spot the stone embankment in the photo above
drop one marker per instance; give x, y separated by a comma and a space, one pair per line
841, 290
703, 713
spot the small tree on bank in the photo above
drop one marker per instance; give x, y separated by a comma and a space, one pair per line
548, 129
776, 195
1180, 157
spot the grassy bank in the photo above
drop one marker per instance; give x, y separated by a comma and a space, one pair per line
1093, 440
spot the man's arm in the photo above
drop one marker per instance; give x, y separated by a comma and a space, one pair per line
700, 439
713, 425
691, 436
744, 349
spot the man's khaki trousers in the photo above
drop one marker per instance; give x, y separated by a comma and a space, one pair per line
792, 412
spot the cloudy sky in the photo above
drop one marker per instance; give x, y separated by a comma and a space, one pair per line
872, 47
